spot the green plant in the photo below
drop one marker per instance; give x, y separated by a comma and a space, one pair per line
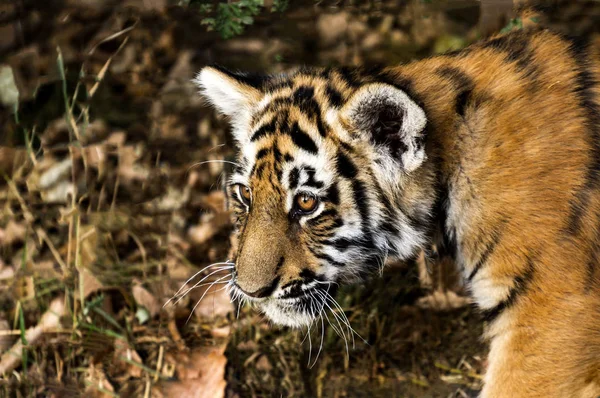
229, 19
513, 24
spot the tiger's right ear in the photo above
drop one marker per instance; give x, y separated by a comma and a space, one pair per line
232, 94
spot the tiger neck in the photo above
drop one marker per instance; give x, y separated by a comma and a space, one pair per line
450, 100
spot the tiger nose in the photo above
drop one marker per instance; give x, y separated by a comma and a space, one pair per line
263, 291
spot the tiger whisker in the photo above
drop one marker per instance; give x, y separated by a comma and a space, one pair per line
337, 319
321, 344
204, 294
338, 331
198, 284
180, 296
193, 276
213, 161
344, 319
354, 332
204, 284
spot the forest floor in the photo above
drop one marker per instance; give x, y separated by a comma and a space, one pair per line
108, 205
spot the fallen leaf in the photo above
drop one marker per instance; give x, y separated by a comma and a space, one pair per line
9, 93
6, 341
443, 301
263, 364
145, 299
122, 360
209, 227
98, 385
215, 303
91, 284
142, 315
201, 374
12, 233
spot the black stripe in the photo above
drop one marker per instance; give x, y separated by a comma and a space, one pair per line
327, 216
279, 264
520, 287
263, 131
334, 97
311, 181
462, 83
251, 79
584, 89
294, 177
303, 140
283, 121
303, 94
304, 99
259, 170
361, 200
329, 259
345, 167
308, 274
343, 244
320, 126
449, 245
517, 48
262, 153
333, 194
349, 76
496, 236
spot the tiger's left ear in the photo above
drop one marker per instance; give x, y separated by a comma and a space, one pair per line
390, 120
232, 94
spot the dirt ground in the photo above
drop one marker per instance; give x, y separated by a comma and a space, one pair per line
110, 199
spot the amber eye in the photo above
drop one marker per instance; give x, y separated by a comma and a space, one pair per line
306, 202
244, 193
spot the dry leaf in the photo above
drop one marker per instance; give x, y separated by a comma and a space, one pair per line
201, 374
9, 93
12, 233
51, 319
145, 299
91, 284
263, 364
6, 341
443, 301
97, 383
215, 303
209, 228
123, 354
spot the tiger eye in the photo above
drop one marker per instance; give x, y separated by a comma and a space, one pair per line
306, 202
245, 194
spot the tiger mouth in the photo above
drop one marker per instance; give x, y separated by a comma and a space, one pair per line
299, 310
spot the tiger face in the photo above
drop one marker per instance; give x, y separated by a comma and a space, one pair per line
331, 178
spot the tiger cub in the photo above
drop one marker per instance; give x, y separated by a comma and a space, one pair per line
492, 153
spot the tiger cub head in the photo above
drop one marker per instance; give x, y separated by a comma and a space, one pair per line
332, 177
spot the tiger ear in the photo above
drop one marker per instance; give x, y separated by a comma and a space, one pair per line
232, 94
391, 120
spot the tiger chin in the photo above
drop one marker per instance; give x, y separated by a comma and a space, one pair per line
491, 153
